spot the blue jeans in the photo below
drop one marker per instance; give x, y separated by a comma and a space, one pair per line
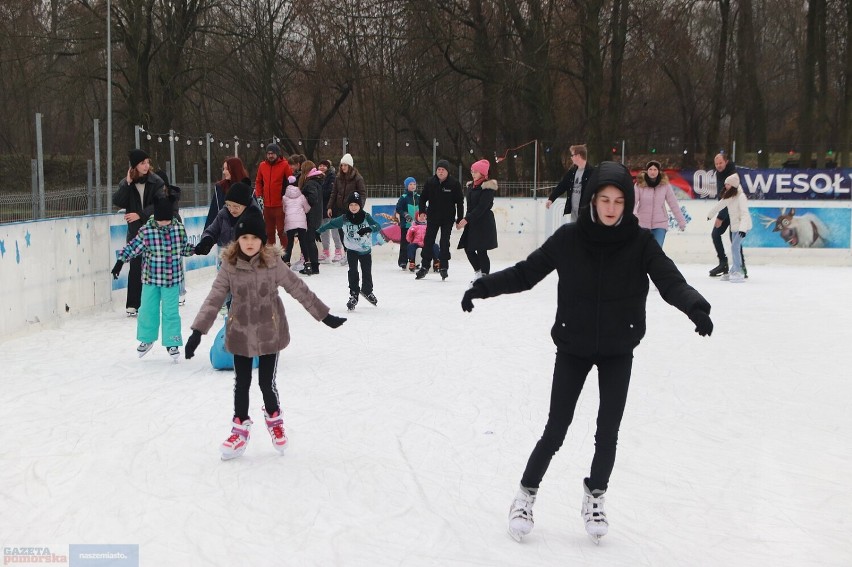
737, 252
659, 235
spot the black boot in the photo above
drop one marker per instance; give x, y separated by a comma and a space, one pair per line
722, 268
306, 271
421, 273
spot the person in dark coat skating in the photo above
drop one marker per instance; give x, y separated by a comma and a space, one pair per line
136, 194
480, 230
603, 262
442, 200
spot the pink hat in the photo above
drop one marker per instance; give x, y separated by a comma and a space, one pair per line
481, 167
314, 172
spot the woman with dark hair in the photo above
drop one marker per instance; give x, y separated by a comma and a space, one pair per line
136, 194
310, 183
653, 191
233, 171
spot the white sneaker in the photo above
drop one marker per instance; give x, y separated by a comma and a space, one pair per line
235, 445
736, 277
300, 265
726, 277
521, 514
143, 348
131, 311
594, 514
476, 276
275, 426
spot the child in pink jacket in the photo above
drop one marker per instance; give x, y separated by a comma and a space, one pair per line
653, 191
296, 209
415, 237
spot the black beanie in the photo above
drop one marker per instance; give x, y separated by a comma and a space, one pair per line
354, 197
251, 222
443, 163
274, 148
164, 209
239, 193
136, 157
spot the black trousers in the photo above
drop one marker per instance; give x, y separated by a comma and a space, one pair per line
446, 227
479, 260
716, 235
569, 375
267, 367
309, 246
366, 261
403, 247
292, 235
134, 284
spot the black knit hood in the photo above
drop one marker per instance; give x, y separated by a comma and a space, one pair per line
609, 173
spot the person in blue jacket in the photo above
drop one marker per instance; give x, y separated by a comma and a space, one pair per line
406, 210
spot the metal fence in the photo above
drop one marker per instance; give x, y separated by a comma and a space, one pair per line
76, 201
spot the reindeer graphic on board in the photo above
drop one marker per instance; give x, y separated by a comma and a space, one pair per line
803, 231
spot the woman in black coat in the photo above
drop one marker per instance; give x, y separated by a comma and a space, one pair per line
603, 262
136, 194
310, 182
480, 230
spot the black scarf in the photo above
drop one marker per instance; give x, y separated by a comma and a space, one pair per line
652, 182
356, 218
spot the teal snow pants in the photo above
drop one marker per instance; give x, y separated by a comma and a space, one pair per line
148, 323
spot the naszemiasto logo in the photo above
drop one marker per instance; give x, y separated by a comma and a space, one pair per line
29, 555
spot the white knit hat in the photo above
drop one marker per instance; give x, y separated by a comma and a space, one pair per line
347, 159
733, 180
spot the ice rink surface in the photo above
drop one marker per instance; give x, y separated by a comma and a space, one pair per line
411, 424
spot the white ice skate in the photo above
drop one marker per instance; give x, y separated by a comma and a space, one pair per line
235, 445
275, 426
174, 352
594, 514
143, 349
521, 514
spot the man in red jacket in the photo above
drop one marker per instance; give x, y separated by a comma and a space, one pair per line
271, 180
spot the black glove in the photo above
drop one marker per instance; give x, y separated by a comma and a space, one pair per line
117, 269
742, 234
317, 236
365, 230
476, 292
192, 343
703, 324
333, 321
204, 246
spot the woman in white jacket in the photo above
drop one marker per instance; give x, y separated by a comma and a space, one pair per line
735, 200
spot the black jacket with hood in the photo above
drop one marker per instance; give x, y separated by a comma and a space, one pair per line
603, 276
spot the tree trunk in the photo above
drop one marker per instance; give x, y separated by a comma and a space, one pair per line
846, 110
589, 13
755, 106
716, 101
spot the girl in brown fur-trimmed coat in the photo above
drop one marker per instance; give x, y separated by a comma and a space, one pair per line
257, 325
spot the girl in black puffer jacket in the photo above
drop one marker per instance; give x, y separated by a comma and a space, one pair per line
603, 262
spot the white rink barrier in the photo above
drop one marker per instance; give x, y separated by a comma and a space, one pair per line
52, 269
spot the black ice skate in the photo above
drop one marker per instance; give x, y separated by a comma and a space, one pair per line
722, 268
353, 301
370, 297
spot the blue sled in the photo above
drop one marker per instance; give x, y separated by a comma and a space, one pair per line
220, 358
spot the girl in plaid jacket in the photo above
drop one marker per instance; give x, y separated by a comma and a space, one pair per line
162, 242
